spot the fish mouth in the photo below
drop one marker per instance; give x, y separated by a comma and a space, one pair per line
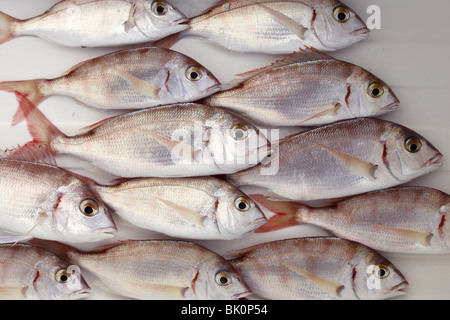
433, 162
400, 288
392, 106
363, 32
181, 21
82, 293
242, 295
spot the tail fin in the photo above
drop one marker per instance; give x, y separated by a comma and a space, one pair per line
40, 128
24, 90
286, 213
169, 41
6, 32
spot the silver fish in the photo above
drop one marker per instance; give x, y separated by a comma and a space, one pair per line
324, 268
279, 26
127, 79
190, 208
405, 220
178, 140
307, 89
87, 23
342, 159
44, 201
30, 273
159, 269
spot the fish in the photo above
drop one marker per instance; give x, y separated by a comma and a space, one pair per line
276, 27
157, 269
127, 79
100, 23
31, 273
342, 159
181, 140
398, 220
318, 268
190, 208
40, 200
312, 88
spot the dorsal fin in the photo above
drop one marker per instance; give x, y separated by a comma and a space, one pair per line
304, 55
31, 151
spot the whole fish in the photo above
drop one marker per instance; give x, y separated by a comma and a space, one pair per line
311, 89
44, 201
405, 220
196, 208
127, 79
27, 272
342, 159
98, 23
170, 141
279, 26
159, 269
320, 268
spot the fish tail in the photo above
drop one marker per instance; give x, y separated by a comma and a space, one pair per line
6, 30
287, 213
169, 41
41, 129
25, 91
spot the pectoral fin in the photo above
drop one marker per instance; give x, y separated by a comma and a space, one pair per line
25, 235
356, 165
185, 213
422, 238
331, 287
286, 22
141, 86
181, 148
330, 111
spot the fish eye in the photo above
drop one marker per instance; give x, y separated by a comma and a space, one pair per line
413, 144
193, 74
223, 278
62, 276
89, 207
242, 204
381, 271
239, 132
159, 7
341, 14
375, 90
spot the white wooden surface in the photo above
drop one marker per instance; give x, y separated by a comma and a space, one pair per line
410, 52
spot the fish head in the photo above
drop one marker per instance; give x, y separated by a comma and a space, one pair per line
337, 26
369, 96
376, 278
217, 279
408, 155
80, 216
187, 80
235, 144
237, 214
54, 281
160, 15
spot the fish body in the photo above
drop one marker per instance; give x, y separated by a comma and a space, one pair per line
44, 201
169, 141
401, 220
342, 159
128, 79
195, 208
321, 268
279, 26
161, 269
311, 89
30, 273
100, 23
